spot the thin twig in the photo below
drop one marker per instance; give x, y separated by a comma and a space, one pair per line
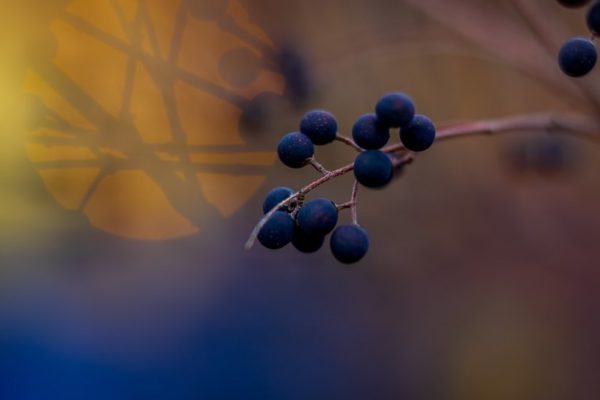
345, 206
404, 159
354, 202
318, 166
559, 123
348, 141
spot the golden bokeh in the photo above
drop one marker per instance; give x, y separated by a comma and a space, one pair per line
137, 113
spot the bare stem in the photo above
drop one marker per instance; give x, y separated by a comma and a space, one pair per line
568, 124
345, 206
559, 123
354, 202
348, 141
318, 166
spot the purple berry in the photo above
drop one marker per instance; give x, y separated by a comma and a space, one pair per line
318, 217
395, 110
419, 135
373, 168
278, 231
369, 133
295, 149
349, 243
320, 126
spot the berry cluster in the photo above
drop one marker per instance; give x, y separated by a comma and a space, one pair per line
578, 56
290, 219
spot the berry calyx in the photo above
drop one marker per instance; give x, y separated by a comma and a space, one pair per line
419, 135
369, 133
577, 57
278, 231
320, 126
295, 149
276, 196
373, 169
318, 216
349, 243
395, 110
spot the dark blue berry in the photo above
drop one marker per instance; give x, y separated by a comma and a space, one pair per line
369, 133
306, 242
275, 197
419, 135
573, 3
295, 149
577, 57
593, 18
277, 231
320, 126
395, 110
349, 243
318, 217
373, 169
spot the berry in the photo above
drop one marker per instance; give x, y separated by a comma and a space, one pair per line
307, 243
320, 126
318, 217
295, 149
577, 57
369, 133
593, 18
349, 243
419, 134
277, 231
275, 197
373, 169
573, 3
395, 110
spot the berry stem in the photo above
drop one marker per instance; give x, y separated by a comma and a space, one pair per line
318, 166
348, 141
404, 159
345, 206
354, 202
560, 123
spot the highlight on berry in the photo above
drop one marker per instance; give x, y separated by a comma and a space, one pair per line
289, 217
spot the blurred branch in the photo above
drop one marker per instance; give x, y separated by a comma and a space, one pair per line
486, 25
540, 28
